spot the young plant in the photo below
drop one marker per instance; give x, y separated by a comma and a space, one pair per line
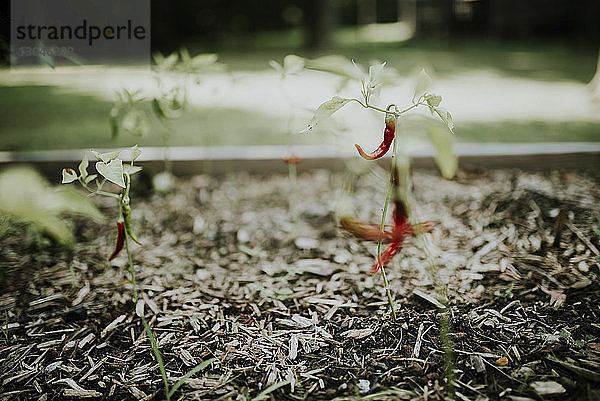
109, 167
371, 84
173, 75
398, 189
291, 65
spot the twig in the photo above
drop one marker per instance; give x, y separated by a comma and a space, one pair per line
417, 348
583, 238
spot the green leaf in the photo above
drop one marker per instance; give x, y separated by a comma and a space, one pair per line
68, 200
134, 121
165, 64
292, 64
158, 109
445, 116
112, 171
380, 74
325, 110
276, 66
157, 355
48, 60
433, 100
131, 170
184, 54
422, 84
90, 178
202, 62
135, 152
263, 394
68, 175
106, 157
189, 374
25, 196
338, 65
83, 167
445, 157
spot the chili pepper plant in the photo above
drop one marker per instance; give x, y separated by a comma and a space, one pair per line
398, 189
290, 66
110, 168
173, 76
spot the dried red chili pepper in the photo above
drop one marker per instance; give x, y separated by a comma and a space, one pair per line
388, 138
120, 239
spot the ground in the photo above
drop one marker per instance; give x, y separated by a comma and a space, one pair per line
255, 272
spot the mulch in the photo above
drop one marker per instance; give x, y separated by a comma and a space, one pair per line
255, 272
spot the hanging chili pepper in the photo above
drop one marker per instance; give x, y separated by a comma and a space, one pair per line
388, 138
128, 226
120, 239
393, 235
292, 159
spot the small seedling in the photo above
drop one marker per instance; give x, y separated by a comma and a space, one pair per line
110, 168
290, 66
173, 75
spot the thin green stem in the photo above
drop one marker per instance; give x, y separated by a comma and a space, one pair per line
131, 271
97, 191
125, 195
382, 227
158, 356
395, 113
292, 176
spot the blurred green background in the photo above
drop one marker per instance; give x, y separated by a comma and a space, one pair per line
517, 48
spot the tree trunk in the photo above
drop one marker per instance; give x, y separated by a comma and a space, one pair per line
319, 17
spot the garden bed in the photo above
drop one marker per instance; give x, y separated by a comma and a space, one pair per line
254, 271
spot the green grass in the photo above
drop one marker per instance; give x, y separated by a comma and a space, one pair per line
44, 117
529, 131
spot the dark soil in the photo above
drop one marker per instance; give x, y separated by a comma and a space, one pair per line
255, 272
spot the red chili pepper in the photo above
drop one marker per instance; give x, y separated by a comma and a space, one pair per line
393, 235
292, 159
388, 138
120, 240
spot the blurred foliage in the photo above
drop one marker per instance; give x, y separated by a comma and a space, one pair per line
83, 123
26, 197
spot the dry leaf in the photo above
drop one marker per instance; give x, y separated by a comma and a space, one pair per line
502, 361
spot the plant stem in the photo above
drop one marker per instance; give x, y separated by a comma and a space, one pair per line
131, 271
98, 191
158, 356
382, 227
395, 113
292, 176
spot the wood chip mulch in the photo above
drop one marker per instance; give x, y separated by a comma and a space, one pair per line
255, 272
